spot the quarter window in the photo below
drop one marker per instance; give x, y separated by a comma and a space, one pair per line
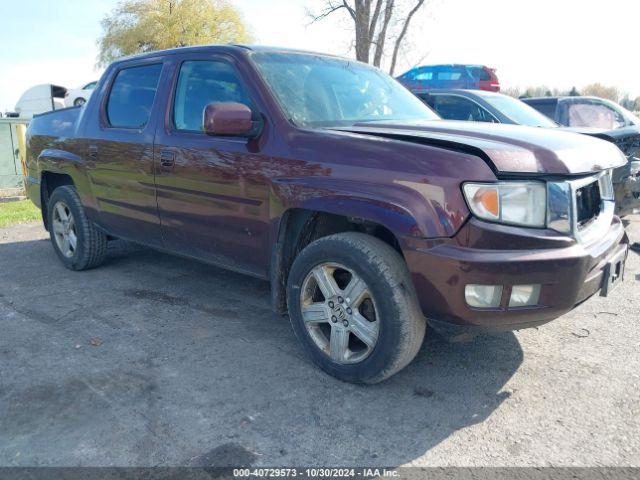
131, 98
200, 83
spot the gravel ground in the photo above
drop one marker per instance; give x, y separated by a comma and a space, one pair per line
156, 360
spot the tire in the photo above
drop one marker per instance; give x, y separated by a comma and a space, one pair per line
78, 102
90, 243
394, 328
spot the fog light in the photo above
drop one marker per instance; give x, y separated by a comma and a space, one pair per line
524, 295
483, 296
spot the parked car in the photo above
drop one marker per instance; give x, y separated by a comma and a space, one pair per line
482, 106
367, 213
451, 76
77, 97
584, 112
40, 99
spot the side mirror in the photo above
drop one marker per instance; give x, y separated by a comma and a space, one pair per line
227, 118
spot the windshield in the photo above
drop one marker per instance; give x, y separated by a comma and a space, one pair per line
518, 111
318, 91
630, 118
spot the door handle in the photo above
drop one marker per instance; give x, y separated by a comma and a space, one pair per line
167, 158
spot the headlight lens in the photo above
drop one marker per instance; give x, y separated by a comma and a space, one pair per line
515, 203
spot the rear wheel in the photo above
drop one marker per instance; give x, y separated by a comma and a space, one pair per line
76, 240
353, 307
78, 102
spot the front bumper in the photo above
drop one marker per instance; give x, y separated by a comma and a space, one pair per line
485, 253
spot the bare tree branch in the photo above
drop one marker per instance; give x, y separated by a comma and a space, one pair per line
382, 33
403, 32
374, 19
328, 10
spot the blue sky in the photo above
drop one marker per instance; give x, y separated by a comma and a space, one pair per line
554, 42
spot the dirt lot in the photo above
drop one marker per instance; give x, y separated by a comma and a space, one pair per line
156, 360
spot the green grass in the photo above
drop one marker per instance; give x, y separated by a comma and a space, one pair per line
12, 213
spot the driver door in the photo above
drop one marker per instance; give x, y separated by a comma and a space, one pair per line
212, 197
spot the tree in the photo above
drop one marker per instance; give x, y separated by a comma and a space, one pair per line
599, 90
574, 92
137, 26
377, 23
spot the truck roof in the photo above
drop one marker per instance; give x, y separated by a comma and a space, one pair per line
227, 48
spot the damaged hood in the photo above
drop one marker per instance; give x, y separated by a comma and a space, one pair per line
506, 148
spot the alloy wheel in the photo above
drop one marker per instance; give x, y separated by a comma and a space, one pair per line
339, 313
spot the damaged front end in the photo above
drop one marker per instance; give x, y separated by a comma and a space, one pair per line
626, 179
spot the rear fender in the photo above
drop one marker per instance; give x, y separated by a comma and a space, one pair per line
68, 163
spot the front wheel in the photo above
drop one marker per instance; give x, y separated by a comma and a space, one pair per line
76, 240
353, 307
78, 102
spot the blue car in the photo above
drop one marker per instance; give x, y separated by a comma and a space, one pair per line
428, 77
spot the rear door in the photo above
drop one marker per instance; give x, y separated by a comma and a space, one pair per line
119, 151
212, 194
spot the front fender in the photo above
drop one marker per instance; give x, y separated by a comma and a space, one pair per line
405, 208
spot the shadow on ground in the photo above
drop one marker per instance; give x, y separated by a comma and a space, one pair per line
157, 360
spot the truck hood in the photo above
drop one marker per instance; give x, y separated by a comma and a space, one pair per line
508, 149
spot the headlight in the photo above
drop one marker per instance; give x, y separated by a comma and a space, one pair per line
515, 203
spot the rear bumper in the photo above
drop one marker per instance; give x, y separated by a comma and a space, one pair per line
483, 253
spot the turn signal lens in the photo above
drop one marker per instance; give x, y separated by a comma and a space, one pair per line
489, 200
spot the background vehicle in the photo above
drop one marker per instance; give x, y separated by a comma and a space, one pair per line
450, 76
584, 112
40, 99
365, 212
481, 106
78, 96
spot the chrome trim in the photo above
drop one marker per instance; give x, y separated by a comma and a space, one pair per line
559, 206
562, 207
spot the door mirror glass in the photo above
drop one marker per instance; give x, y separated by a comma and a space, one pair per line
227, 118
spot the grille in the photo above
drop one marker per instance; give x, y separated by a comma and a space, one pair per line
588, 203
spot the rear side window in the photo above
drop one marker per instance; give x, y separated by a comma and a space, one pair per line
131, 98
200, 83
480, 73
449, 75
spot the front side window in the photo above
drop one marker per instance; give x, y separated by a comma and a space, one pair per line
318, 91
548, 109
454, 107
424, 74
131, 98
200, 83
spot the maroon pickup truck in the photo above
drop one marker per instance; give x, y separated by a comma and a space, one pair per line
370, 217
